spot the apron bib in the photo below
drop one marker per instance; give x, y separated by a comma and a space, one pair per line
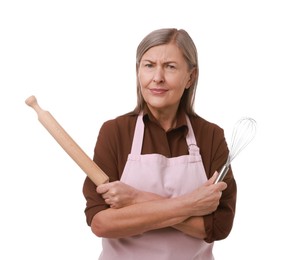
168, 177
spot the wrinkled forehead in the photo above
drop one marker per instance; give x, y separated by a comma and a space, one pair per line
163, 53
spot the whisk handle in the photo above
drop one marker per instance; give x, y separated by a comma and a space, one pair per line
222, 173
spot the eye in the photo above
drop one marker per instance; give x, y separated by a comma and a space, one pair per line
148, 65
171, 66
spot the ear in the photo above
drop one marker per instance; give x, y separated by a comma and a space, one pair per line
192, 78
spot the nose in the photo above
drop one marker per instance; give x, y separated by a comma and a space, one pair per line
158, 76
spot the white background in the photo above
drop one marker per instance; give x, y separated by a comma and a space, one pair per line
78, 59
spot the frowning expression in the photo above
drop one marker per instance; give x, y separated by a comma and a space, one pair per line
163, 75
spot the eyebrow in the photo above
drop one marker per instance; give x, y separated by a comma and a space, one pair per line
167, 62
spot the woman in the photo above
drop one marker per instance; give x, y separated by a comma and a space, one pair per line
161, 202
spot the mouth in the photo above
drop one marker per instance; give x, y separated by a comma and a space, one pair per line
158, 91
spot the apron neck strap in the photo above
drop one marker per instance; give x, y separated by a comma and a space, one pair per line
139, 133
191, 140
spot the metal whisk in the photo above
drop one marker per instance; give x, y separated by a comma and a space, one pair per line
243, 133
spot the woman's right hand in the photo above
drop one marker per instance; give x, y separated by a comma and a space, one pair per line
118, 194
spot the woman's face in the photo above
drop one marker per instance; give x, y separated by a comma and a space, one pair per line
163, 76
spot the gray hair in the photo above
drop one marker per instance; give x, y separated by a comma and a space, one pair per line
185, 43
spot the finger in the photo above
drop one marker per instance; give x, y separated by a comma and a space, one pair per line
107, 201
223, 185
105, 196
213, 178
102, 188
220, 186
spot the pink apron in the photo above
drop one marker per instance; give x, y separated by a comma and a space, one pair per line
169, 177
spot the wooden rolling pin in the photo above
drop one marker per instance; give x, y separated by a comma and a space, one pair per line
91, 169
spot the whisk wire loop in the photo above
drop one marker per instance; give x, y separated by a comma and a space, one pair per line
243, 133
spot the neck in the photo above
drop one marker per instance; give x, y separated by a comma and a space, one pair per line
168, 124
166, 118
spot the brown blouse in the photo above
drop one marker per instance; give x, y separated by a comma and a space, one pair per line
114, 144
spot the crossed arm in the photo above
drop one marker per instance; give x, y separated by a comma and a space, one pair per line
134, 212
